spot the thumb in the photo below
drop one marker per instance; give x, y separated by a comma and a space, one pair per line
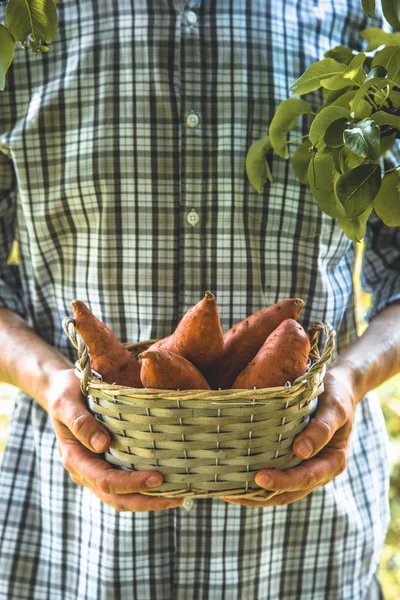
67, 407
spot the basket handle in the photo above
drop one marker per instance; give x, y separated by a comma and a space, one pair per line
327, 352
84, 357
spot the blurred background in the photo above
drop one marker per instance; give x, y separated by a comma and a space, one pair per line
389, 394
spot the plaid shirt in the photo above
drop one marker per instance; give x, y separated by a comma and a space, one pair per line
122, 177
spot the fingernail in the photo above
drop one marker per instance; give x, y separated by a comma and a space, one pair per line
305, 448
153, 481
264, 481
98, 440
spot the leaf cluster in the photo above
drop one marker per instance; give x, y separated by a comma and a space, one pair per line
33, 23
357, 122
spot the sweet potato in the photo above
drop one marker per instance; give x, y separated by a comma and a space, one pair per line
164, 370
109, 357
198, 336
283, 357
166, 343
244, 340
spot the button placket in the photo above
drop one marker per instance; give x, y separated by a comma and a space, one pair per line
191, 156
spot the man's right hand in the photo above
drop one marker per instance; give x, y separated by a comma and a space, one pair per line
81, 438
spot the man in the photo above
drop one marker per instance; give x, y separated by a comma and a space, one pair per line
123, 181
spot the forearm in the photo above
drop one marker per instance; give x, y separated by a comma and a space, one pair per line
27, 361
375, 356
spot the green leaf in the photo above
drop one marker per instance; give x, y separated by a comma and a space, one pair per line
356, 189
310, 80
381, 117
394, 97
333, 137
342, 54
331, 96
284, 119
14, 256
375, 72
391, 11
7, 45
387, 142
363, 138
389, 58
257, 167
363, 110
378, 82
301, 160
351, 160
324, 119
37, 18
387, 201
377, 37
353, 73
321, 179
339, 160
368, 7
345, 99
355, 229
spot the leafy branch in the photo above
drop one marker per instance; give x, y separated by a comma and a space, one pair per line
32, 23
357, 122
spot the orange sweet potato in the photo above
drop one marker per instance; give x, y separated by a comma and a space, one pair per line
109, 357
164, 370
198, 336
283, 357
244, 340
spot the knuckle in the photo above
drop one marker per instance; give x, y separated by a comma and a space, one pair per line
121, 506
341, 411
104, 485
78, 423
281, 499
66, 459
342, 462
58, 405
309, 480
325, 428
67, 463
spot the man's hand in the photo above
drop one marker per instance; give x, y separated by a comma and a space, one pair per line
323, 442
80, 436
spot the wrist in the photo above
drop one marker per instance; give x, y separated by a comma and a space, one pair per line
352, 375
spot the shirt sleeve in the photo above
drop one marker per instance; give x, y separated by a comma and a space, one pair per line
11, 295
380, 275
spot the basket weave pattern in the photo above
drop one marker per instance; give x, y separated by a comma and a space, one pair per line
205, 443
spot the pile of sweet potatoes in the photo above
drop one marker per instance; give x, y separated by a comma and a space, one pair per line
267, 349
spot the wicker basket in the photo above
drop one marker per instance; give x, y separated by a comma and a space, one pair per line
205, 443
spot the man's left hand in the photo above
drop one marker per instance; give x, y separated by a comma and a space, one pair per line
323, 443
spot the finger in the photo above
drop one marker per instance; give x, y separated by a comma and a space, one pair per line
93, 471
332, 414
278, 500
71, 412
317, 471
133, 502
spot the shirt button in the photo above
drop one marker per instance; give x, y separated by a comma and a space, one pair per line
191, 18
192, 120
188, 503
193, 217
